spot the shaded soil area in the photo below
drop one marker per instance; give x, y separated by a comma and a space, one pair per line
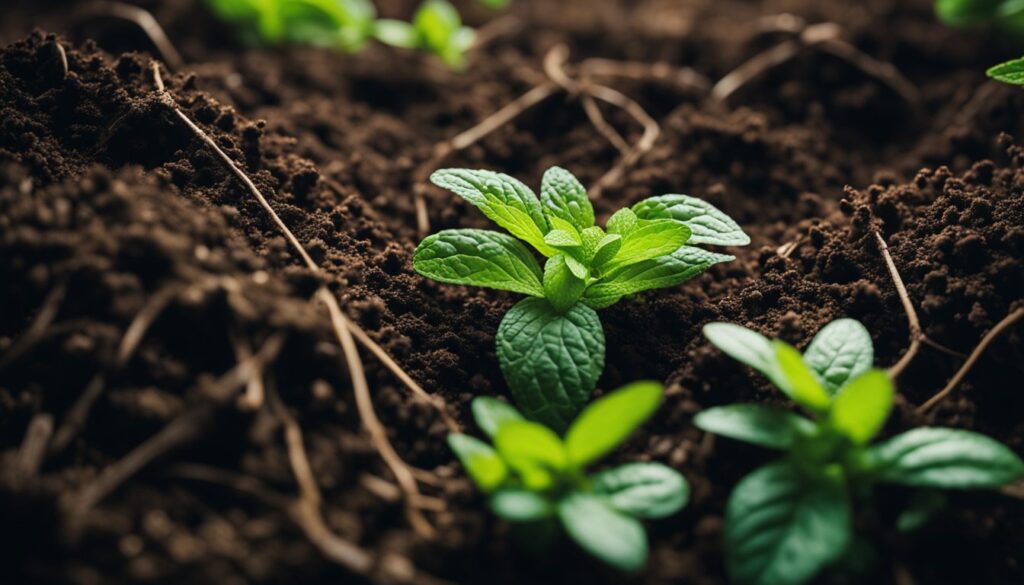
116, 220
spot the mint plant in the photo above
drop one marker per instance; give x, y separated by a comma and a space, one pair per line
341, 24
534, 478
436, 28
551, 346
790, 519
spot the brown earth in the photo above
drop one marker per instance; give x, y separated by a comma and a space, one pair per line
107, 199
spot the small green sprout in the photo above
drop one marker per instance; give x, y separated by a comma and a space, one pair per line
436, 28
790, 519
551, 345
340, 24
1006, 16
535, 479
1011, 72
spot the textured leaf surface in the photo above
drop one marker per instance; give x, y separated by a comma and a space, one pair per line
551, 361
479, 258
563, 196
662, 272
708, 224
562, 288
609, 420
841, 351
604, 532
945, 458
773, 428
782, 529
650, 240
643, 490
504, 199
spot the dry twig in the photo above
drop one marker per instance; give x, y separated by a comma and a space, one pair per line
145, 21
1001, 326
342, 328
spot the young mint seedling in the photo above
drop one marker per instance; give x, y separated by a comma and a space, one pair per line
551, 345
788, 520
436, 28
342, 24
535, 479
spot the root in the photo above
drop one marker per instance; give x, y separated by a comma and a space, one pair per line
74, 421
917, 336
642, 147
342, 329
995, 332
823, 37
63, 58
685, 77
145, 21
181, 431
554, 67
33, 446
36, 332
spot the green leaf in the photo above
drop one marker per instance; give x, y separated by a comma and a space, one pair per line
482, 463
840, 352
550, 360
561, 287
564, 197
966, 12
396, 33
606, 249
532, 450
562, 239
622, 222
662, 272
503, 199
479, 258
708, 224
604, 532
1011, 72
747, 346
767, 427
924, 505
519, 505
801, 383
945, 458
490, 413
782, 528
609, 420
650, 240
643, 490
436, 22
862, 406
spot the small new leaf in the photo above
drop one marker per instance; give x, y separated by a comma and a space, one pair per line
1011, 72
862, 406
708, 224
561, 286
609, 420
491, 413
564, 197
840, 352
767, 427
651, 240
643, 490
479, 258
801, 383
482, 463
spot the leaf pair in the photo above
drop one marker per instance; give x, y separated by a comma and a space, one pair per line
435, 28
788, 520
551, 347
533, 476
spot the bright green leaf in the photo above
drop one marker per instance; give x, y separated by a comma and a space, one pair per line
490, 413
562, 239
650, 240
622, 222
802, 384
945, 458
761, 425
643, 490
503, 199
482, 463
746, 346
564, 197
561, 287
708, 224
519, 505
604, 532
396, 33
609, 420
532, 450
479, 258
782, 528
840, 352
1011, 72
662, 272
606, 249
860, 409
550, 360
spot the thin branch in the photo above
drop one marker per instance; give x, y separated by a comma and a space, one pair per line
145, 21
36, 331
74, 421
554, 67
754, 68
33, 446
642, 147
342, 329
1003, 325
640, 71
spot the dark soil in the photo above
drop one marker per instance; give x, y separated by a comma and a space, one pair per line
106, 196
